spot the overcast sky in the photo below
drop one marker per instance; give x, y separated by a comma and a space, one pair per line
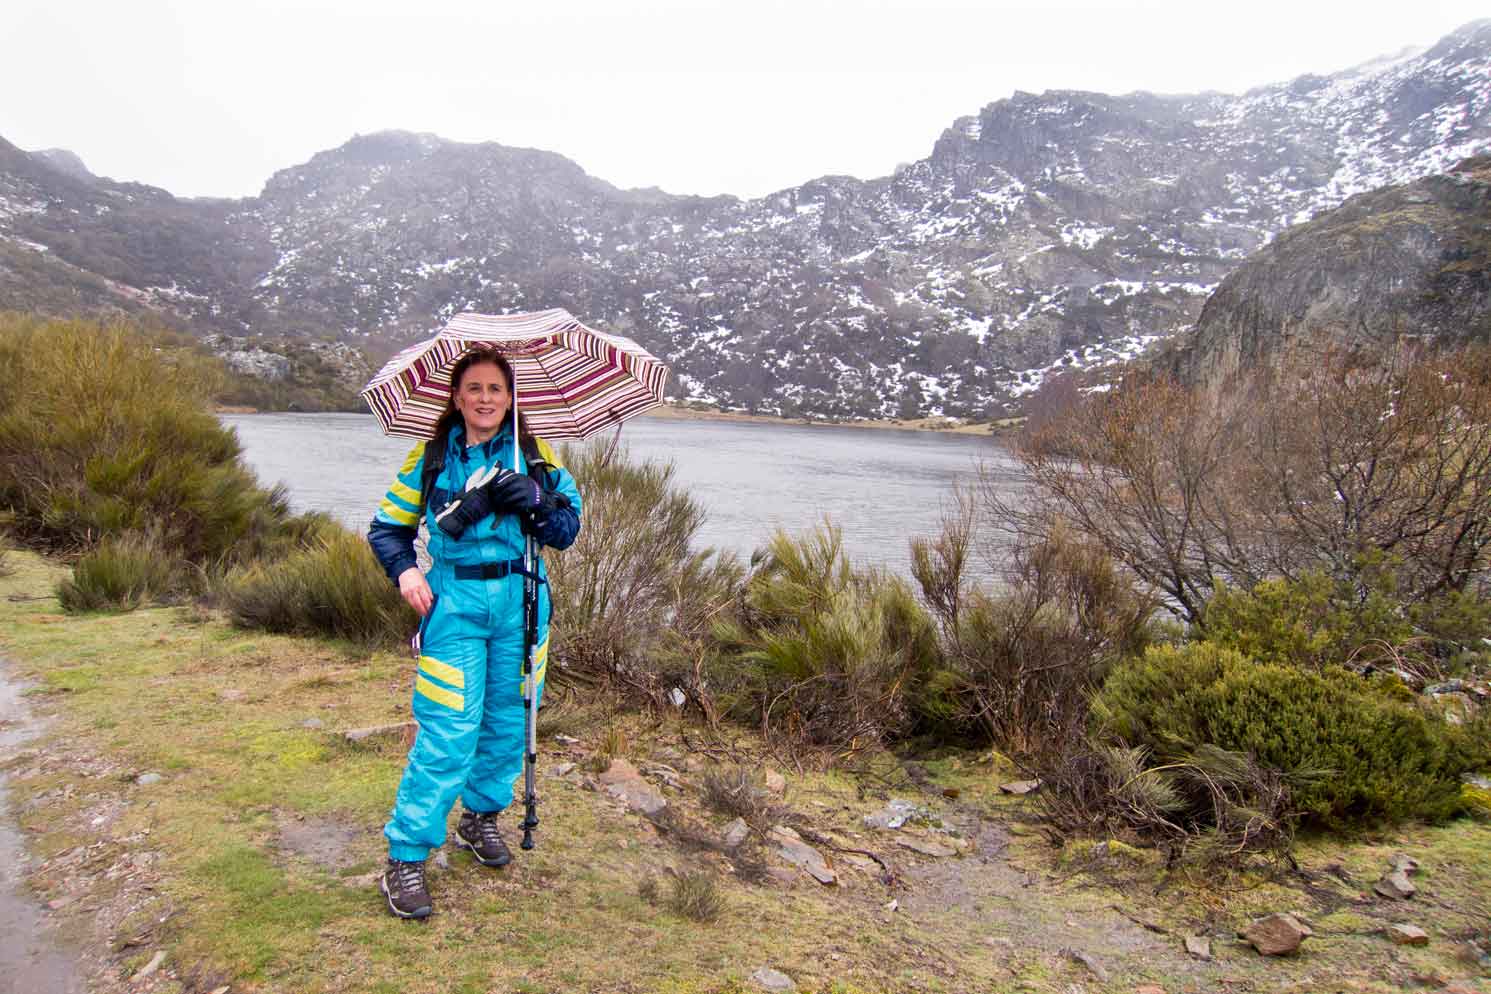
209, 97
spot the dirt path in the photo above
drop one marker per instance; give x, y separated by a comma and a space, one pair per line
31, 959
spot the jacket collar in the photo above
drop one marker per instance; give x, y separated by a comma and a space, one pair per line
456, 446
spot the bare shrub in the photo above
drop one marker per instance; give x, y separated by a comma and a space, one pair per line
1330, 460
1019, 662
738, 792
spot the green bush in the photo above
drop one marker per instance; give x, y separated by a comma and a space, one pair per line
1313, 621
1357, 751
633, 599
121, 574
821, 653
106, 429
332, 587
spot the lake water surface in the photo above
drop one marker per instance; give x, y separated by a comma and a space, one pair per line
881, 487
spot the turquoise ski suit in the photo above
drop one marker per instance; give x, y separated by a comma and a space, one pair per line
468, 688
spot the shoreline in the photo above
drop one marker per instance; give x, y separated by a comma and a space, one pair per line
676, 412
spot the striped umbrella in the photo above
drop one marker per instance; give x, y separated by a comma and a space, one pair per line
572, 381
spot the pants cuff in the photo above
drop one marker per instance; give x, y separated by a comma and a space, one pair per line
481, 806
407, 853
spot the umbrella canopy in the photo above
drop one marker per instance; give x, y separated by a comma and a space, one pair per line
572, 380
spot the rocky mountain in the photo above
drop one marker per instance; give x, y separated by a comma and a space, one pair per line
1049, 231
1409, 260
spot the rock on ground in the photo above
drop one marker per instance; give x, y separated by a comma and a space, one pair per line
1395, 886
623, 782
1277, 934
1199, 946
1020, 787
927, 847
895, 814
404, 729
794, 850
1408, 935
736, 832
772, 980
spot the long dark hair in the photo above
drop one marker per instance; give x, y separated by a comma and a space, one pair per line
452, 417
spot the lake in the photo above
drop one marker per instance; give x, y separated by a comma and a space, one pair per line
883, 487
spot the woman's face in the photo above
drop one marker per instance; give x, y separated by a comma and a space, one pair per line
483, 399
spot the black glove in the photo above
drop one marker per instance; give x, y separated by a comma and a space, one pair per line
473, 505
551, 528
513, 493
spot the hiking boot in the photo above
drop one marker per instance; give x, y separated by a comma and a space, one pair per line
478, 832
404, 886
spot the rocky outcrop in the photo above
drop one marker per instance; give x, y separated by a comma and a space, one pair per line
1410, 260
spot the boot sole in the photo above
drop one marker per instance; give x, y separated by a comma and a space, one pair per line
494, 863
417, 914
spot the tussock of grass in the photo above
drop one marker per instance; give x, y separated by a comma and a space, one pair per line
695, 895
334, 587
121, 574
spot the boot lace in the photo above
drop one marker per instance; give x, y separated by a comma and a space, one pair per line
486, 827
408, 876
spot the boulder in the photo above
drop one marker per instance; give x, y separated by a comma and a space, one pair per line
1277, 934
1199, 946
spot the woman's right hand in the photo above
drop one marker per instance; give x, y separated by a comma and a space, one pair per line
415, 590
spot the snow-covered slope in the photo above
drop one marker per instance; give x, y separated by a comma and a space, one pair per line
1046, 232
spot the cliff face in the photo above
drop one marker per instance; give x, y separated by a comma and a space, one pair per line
1410, 260
1047, 232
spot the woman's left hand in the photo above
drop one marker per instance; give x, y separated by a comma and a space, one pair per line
415, 590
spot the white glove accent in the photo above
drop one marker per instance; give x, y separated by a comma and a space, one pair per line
482, 476
448, 508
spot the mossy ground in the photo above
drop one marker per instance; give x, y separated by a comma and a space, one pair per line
251, 862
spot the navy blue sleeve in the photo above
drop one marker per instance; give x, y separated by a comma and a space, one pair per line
557, 524
393, 546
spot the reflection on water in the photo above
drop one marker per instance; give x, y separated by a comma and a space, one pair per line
881, 487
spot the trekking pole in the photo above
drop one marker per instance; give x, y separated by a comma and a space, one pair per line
530, 691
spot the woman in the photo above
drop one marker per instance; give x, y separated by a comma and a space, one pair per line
468, 698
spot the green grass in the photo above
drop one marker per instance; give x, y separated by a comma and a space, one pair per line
220, 715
